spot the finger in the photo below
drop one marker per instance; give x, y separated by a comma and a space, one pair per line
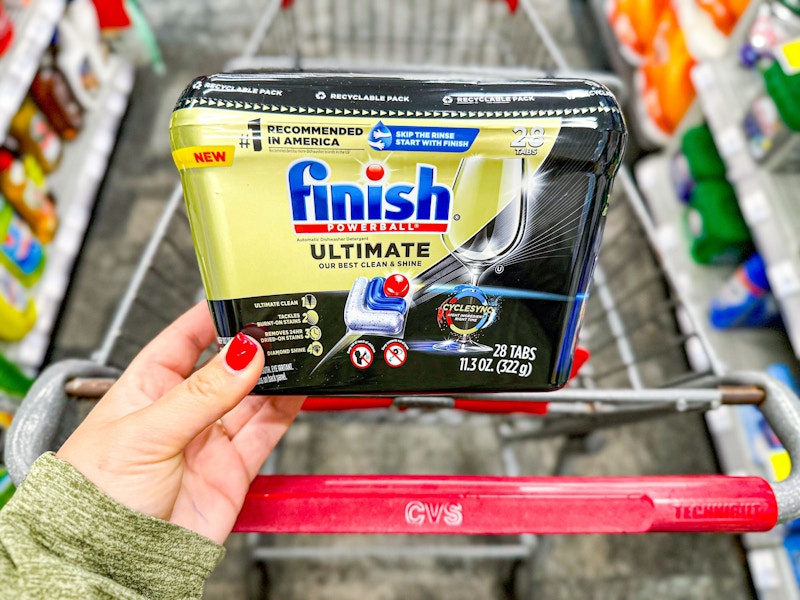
160, 366
262, 432
196, 403
241, 414
174, 352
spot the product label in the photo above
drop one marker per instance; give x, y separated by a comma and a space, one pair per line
48, 141
355, 211
364, 247
12, 292
198, 157
21, 246
788, 54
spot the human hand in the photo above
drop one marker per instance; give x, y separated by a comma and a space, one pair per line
179, 446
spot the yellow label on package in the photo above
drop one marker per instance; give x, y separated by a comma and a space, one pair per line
389, 235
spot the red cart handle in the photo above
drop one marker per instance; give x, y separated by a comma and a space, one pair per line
502, 505
338, 403
554, 505
471, 505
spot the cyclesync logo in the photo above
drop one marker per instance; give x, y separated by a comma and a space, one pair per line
467, 311
350, 207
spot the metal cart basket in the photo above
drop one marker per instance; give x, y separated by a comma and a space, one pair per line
635, 328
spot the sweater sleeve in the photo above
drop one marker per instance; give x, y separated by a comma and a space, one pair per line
61, 537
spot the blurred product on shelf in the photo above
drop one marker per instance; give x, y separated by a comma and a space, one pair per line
764, 128
112, 14
705, 162
666, 84
783, 84
81, 54
697, 160
13, 382
6, 487
634, 23
55, 99
127, 31
17, 310
35, 136
715, 226
776, 21
21, 253
792, 545
772, 121
706, 25
783, 373
664, 39
6, 29
681, 176
765, 447
745, 300
725, 13
25, 187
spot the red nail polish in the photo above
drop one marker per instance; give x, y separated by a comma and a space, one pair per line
240, 352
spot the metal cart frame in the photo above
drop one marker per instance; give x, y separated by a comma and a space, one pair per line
631, 386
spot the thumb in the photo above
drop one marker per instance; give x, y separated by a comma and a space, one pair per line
205, 396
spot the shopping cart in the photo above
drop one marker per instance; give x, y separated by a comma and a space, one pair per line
639, 369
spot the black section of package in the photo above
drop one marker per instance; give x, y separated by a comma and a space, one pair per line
299, 359
283, 92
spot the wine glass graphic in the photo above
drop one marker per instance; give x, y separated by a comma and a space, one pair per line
489, 214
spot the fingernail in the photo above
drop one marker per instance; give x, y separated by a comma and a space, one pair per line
240, 352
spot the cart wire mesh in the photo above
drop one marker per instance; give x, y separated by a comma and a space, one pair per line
402, 35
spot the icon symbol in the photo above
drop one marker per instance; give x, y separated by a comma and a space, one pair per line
197, 85
315, 349
447, 99
380, 137
312, 317
361, 355
395, 354
314, 333
309, 301
321, 95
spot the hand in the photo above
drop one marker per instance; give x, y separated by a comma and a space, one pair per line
179, 446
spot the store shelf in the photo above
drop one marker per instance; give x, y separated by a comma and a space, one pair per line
34, 26
729, 350
769, 200
625, 65
75, 185
742, 349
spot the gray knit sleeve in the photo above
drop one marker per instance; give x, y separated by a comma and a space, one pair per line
61, 537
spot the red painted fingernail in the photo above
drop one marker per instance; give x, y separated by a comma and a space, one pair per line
240, 352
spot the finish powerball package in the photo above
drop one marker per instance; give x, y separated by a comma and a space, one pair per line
393, 235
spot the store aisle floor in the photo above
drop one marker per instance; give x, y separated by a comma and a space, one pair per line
199, 37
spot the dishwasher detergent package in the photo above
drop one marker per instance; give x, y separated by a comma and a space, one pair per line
385, 235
